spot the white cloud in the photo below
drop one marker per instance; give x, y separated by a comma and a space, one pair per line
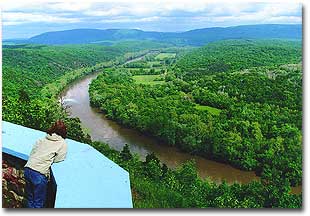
246, 18
247, 12
122, 11
11, 18
9, 5
109, 12
286, 19
70, 5
125, 20
282, 9
8, 23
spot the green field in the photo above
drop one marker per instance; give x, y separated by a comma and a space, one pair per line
212, 110
154, 64
163, 56
148, 79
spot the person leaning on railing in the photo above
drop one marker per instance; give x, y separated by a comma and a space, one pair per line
51, 149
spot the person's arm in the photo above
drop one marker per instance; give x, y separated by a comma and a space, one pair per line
61, 154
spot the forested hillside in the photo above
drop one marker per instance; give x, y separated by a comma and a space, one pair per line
236, 55
196, 37
33, 75
238, 102
234, 101
30, 67
154, 185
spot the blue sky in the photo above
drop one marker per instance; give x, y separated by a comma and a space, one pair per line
26, 18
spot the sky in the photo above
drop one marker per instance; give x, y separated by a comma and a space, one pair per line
26, 18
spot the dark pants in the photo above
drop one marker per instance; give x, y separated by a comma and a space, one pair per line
36, 188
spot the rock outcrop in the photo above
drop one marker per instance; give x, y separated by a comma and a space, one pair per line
13, 183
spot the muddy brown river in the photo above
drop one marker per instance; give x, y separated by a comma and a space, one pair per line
102, 129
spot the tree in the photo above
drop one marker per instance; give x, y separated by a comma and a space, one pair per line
24, 96
125, 154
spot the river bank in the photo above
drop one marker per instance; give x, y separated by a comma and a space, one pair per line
105, 130
102, 129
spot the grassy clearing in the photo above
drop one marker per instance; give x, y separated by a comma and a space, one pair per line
163, 56
148, 79
134, 70
212, 110
154, 64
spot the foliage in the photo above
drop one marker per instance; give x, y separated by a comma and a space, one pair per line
153, 185
32, 67
234, 101
245, 116
34, 75
236, 55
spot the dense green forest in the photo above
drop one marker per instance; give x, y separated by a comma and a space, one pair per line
33, 75
236, 55
154, 185
31, 67
235, 101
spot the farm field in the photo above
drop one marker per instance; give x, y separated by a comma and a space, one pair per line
149, 79
163, 56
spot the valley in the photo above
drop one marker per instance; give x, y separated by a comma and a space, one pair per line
214, 123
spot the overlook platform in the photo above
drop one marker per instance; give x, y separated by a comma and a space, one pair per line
86, 179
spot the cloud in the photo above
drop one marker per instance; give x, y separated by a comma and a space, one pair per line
9, 23
16, 18
70, 6
128, 19
286, 19
159, 15
102, 13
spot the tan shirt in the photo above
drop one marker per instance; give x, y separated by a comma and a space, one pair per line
45, 152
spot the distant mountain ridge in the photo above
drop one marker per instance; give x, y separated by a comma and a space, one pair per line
196, 37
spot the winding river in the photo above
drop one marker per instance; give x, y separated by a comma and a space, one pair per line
76, 97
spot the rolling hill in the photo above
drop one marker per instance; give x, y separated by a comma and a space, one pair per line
197, 37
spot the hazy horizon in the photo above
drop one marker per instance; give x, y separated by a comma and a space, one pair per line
24, 19
139, 29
